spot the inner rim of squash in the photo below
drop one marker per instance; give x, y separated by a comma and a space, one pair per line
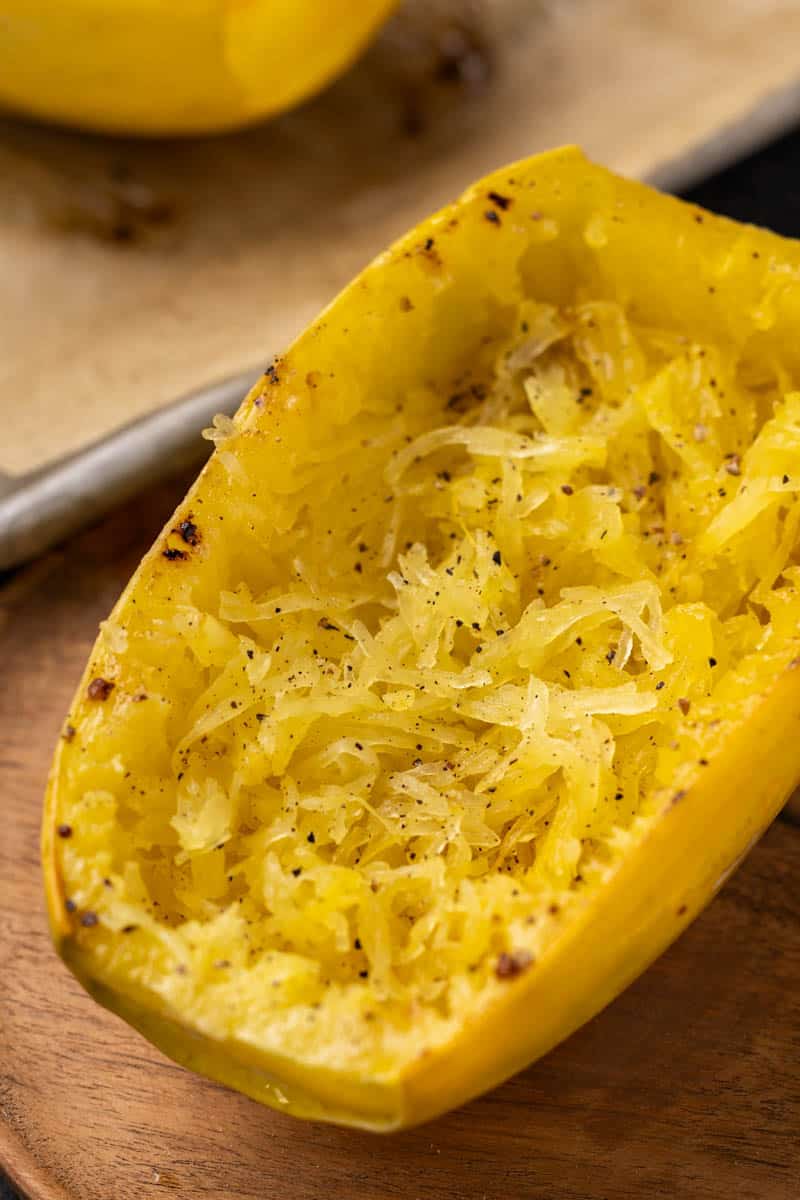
439, 673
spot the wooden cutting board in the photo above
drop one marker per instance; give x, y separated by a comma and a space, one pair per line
133, 272
686, 1088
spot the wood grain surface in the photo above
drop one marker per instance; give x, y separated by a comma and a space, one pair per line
134, 271
688, 1086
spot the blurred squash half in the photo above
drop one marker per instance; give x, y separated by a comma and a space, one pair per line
468, 669
167, 67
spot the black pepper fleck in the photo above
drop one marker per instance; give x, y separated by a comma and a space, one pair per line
509, 966
100, 689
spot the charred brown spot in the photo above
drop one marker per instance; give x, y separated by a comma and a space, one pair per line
122, 211
69, 733
684, 705
129, 928
682, 910
503, 202
509, 966
405, 304
65, 831
464, 58
492, 216
272, 373
429, 253
100, 689
679, 795
189, 532
70, 906
89, 919
173, 554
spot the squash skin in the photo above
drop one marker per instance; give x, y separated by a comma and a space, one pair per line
661, 256
143, 67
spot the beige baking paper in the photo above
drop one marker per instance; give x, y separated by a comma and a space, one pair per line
133, 272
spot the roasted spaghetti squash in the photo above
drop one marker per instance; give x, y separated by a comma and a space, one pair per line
157, 67
467, 670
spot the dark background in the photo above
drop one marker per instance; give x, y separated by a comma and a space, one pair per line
763, 189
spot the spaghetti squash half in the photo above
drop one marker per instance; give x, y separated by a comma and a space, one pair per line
468, 668
156, 68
